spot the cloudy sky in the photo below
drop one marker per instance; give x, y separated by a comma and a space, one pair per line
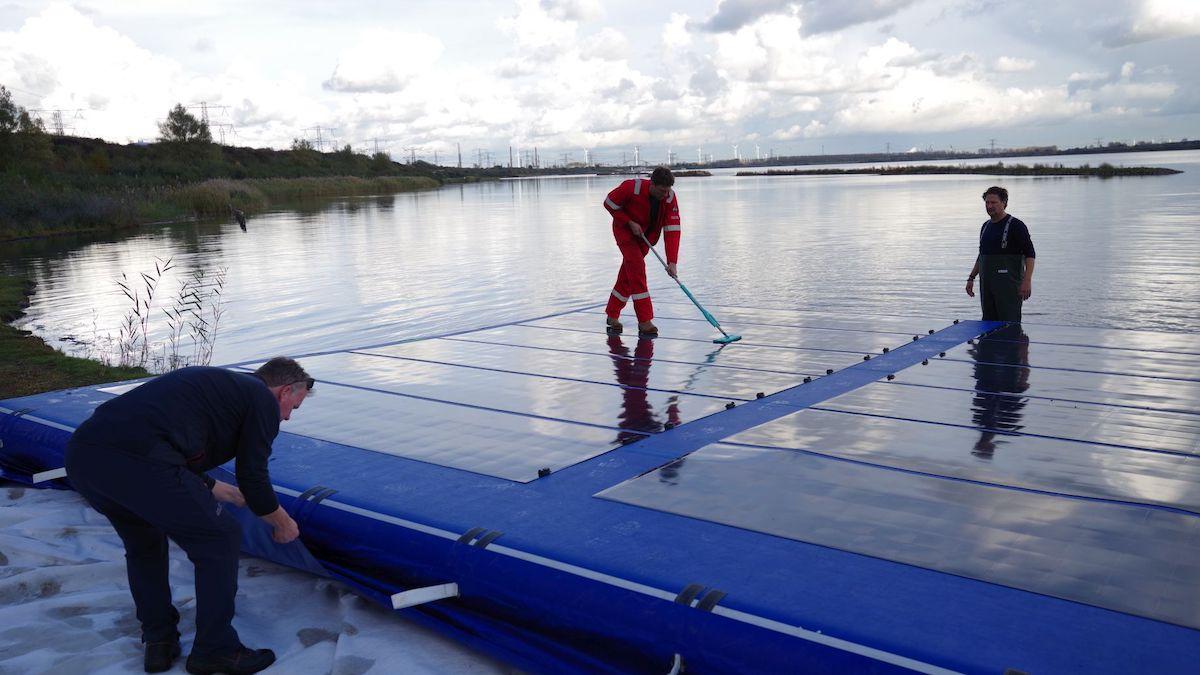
575, 75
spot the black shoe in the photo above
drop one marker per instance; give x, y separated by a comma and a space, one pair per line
160, 656
235, 663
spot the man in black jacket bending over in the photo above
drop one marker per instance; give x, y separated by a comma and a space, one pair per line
140, 460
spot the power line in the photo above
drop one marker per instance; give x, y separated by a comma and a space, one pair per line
57, 127
320, 141
204, 108
221, 128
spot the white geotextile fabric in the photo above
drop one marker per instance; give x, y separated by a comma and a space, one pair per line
65, 606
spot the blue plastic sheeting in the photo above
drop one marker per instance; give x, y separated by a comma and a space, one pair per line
420, 490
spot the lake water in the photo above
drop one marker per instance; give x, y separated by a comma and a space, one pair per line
1119, 253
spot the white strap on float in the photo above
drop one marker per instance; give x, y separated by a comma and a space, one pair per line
420, 596
52, 474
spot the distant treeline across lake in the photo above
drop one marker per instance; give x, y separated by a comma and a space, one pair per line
999, 169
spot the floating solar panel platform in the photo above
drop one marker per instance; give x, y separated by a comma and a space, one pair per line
831, 494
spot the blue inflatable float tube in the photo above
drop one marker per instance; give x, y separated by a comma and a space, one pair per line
553, 579
539, 614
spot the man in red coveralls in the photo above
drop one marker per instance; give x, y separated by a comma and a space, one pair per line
641, 207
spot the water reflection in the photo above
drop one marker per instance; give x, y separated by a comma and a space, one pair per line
632, 369
379, 268
1001, 376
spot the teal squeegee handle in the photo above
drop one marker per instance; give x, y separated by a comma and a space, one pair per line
711, 319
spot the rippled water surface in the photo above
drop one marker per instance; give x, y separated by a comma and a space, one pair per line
1120, 253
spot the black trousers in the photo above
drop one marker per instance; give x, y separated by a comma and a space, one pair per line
1000, 303
148, 502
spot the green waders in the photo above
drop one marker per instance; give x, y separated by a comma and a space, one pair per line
1000, 279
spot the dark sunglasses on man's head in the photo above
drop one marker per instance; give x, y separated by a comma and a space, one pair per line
308, 382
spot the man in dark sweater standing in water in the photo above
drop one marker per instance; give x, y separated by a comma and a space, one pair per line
1005, 262
140, 460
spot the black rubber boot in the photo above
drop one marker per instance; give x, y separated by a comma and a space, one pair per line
160, 656
613, 325
236, 663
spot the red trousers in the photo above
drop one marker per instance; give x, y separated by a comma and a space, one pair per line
631, 284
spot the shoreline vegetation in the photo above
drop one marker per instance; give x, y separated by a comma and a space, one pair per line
57, 184
1104, 170
68, 211
30, 366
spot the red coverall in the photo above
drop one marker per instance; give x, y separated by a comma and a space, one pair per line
631, 201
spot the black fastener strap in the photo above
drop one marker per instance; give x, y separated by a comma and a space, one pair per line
710, 600
310, 492
471, 534
488, 538
322, 495
688, 594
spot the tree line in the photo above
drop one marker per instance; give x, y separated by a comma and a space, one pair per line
60, 183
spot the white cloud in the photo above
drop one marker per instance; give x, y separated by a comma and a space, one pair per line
925, 102
71, 62
532, 27
675, 34
958, 64
384, 61
914, 58
774, 54
732, 15
573, 10
820, 16
823, 16
553, 78
1012, 64
814, 129
607, 45
1159, 20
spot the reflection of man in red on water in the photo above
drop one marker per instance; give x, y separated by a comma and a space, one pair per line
637, 417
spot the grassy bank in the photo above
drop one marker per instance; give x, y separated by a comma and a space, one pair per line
34, 210
30, 366
1102, 171
213, 197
